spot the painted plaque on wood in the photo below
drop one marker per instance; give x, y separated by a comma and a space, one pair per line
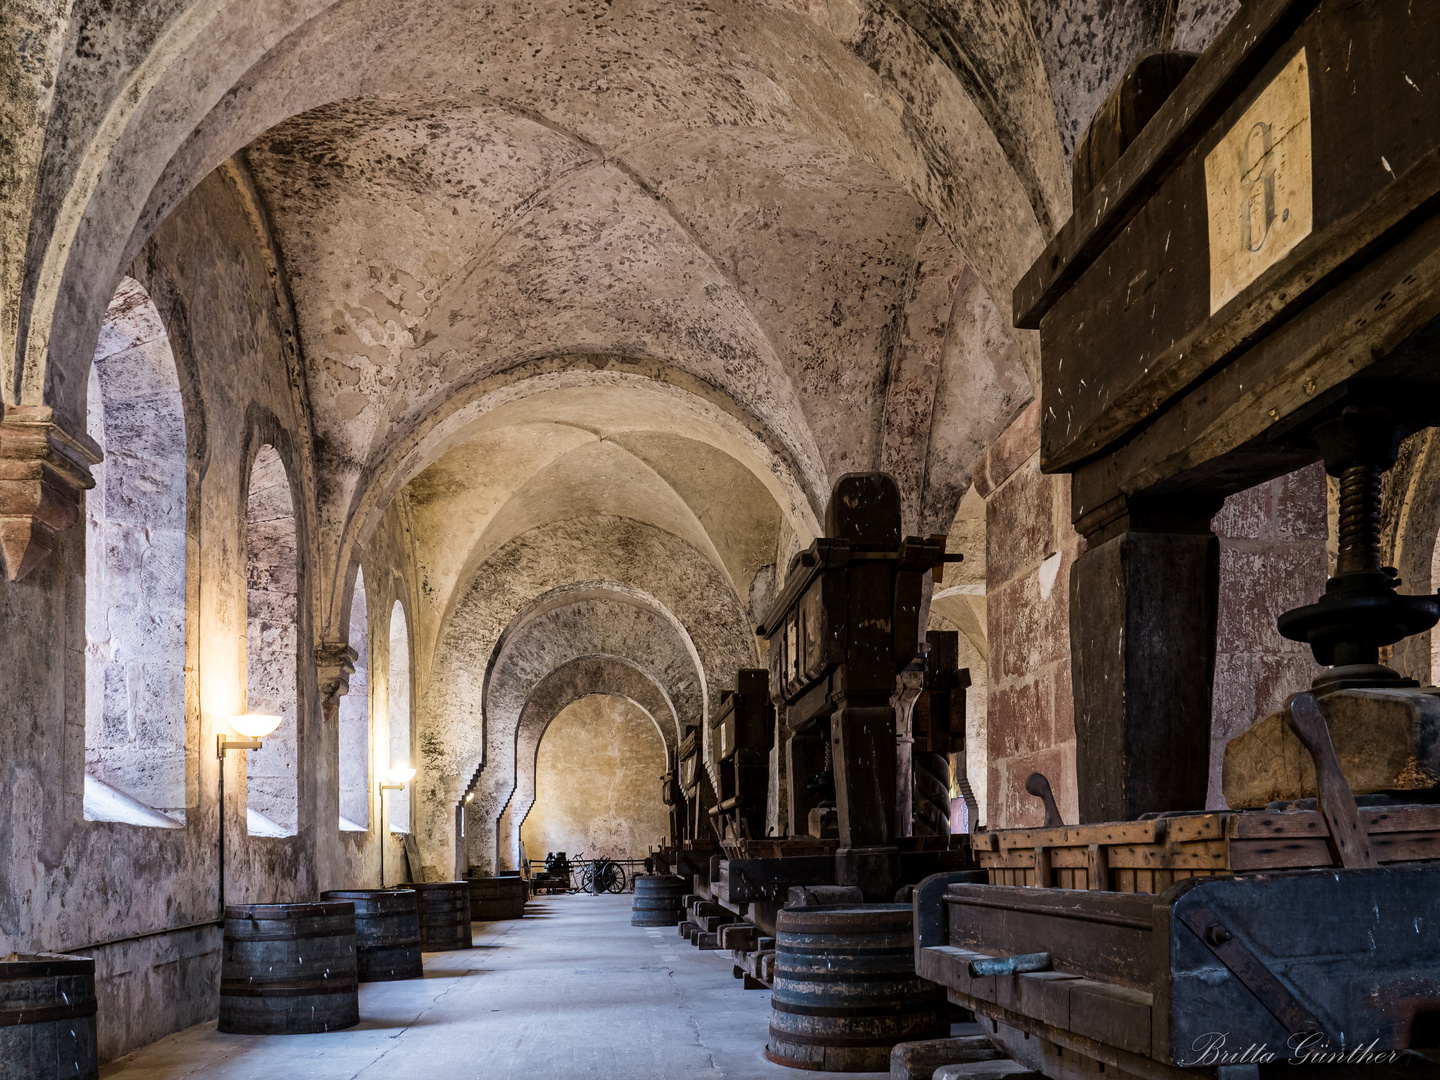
1257, 185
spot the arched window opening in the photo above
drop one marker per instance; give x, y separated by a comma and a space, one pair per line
135, 573
272, 642
355, 722
399, 714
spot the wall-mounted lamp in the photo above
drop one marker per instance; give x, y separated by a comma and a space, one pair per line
395, 780
470, 796
252, 728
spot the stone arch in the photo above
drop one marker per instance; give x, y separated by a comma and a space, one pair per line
597, 779
978, 129
564, 685
1410, 526
670, 398
135, 578
564, 626
272, 563
628, 557
570, 681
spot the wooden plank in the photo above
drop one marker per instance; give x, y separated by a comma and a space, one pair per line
1377, 820
1405, 847
1115, 1015
1097, 867
1045, 995
1195, 827
1202, 855
1279, 854
1108, 832
1336, 800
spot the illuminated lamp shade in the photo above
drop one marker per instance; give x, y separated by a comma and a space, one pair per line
400, 775
255, 725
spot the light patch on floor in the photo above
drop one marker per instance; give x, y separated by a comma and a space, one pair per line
571, 991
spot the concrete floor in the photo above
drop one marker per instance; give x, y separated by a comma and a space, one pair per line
571, 991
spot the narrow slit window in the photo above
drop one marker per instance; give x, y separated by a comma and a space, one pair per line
135, 573
272, 645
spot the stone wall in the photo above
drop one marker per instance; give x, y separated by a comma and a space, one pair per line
597, 783
1029, 549
1272, 558
67, 883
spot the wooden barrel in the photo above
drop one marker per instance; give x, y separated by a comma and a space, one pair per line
288, 969
493, 898
387, 933
444, 915
657, 900
47, 1017
846, 990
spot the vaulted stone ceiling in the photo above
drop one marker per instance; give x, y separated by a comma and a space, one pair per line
629, 278
593, 300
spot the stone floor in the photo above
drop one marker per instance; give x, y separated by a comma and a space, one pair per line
571, 991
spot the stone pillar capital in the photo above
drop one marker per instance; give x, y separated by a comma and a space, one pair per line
334, 664
43, 470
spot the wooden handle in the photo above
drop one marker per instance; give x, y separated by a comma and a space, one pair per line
1036, 784
1010, 965
1333, 794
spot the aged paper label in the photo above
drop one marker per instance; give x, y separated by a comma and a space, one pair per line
1257, 185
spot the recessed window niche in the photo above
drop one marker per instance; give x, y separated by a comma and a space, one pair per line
135, 573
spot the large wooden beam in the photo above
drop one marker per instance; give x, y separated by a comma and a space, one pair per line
1144, 598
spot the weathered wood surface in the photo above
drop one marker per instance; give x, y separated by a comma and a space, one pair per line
1151, 975
846, 990
743, 732
658, 900
1150, 856
47, 1017
1143, 609
387, 933
845, 624
1126, 291
496, 898
919, 1060
444, 915
1336, 802
289, 969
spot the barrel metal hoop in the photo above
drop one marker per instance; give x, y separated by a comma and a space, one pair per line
288, 988
344, 931
899, 951
45, 1014
844, 976
845, 1011
937, 1032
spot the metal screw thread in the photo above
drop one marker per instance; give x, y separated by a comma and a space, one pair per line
1359, 520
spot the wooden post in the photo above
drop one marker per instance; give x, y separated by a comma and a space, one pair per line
1144, 598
